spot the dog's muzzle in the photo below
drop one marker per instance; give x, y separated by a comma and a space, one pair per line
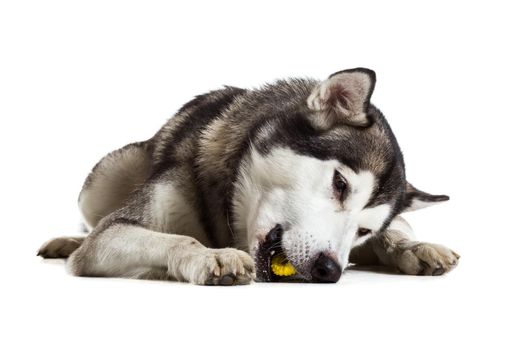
323, 270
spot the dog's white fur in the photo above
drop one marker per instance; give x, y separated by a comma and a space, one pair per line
136, 252
170, 213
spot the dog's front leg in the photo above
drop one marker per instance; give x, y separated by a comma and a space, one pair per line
123, 249
395, 247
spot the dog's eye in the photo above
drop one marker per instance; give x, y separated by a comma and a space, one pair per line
340, 186
363, 232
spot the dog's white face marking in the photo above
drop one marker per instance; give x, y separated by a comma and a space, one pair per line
297, 192
371, 219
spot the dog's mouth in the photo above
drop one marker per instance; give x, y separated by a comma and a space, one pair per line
270, 257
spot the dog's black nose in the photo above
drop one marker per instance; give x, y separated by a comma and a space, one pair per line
325, 270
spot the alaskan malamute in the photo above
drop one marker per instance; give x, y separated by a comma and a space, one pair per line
305, 170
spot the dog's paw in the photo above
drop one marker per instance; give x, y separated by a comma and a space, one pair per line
59, 248
225, 267
427, 259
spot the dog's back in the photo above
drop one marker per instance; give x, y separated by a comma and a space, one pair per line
173, 149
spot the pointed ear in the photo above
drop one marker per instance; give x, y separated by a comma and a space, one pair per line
416, 199
343, 97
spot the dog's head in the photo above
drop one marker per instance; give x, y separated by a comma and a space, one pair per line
324, 173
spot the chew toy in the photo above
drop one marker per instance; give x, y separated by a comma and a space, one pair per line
282, 267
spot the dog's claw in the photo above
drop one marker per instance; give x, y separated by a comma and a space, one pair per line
227, 280
438, 272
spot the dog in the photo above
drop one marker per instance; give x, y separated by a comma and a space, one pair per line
306, 169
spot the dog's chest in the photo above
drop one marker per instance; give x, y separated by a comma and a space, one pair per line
171, 212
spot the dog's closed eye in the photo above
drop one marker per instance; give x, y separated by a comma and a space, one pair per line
363, 232
340, 186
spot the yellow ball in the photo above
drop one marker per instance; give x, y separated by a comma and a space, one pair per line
282, 267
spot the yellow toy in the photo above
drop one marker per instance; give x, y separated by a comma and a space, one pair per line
281, 266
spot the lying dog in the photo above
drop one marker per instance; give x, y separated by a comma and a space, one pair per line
305, 169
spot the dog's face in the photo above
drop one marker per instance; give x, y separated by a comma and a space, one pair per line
322, 181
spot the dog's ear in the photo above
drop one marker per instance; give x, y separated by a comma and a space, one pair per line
416, 199
344, 97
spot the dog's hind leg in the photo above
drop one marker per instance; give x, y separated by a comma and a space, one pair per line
395, 248
61, 247
107, 188
113, 180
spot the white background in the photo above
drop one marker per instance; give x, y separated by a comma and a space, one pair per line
78, 79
